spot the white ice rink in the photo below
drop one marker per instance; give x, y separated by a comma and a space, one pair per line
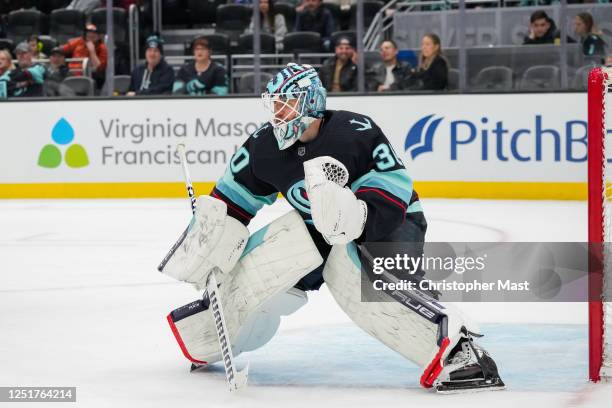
81, 304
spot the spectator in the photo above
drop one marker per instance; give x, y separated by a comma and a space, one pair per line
36, 47
55, 72
590, 38
201, 76
91, 46
271, 23
6, 66
27, 78
391, 74
86, 6
6, 62
316, 18
543, 29
432, 72
155, 76
339, 73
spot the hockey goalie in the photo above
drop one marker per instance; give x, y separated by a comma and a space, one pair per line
346, 186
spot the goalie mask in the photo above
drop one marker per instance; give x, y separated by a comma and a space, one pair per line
295, 97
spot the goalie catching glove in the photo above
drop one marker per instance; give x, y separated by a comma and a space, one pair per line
336, 213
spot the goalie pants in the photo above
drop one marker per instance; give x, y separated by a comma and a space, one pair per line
413, 230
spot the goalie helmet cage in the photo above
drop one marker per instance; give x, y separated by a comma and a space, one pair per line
600, 233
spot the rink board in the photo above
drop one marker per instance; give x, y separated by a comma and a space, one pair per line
518, 146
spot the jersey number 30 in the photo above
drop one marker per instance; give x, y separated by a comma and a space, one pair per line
240, 160
385, 157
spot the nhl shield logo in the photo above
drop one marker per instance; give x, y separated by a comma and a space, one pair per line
301, 151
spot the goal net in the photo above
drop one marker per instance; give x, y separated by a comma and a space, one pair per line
600, 226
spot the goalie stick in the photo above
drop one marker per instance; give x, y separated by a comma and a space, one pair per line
236, 379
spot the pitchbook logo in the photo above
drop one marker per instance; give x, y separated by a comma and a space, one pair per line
539, 138
50, 155
419, 140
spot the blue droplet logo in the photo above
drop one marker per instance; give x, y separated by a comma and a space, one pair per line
62, 132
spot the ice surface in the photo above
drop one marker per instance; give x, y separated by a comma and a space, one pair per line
81, 304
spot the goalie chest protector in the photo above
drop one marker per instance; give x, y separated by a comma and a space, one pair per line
259, 170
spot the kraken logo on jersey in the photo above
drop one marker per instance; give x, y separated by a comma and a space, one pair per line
298, 198
295, 97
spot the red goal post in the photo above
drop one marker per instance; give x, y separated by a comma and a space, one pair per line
599, 213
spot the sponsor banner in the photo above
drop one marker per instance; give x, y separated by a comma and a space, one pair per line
122, 141
452, 145
512, 138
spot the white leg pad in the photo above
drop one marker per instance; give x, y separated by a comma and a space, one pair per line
255, 294
399, 327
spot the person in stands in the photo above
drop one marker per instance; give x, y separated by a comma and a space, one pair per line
155, 76
91, 46
201, 76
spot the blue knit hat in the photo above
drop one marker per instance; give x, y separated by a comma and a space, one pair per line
155, 41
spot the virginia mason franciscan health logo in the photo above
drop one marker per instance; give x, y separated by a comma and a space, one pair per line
536, 138
50, 155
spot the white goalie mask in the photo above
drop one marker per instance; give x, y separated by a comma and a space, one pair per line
295, 97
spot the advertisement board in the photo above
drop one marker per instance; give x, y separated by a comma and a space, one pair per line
494, 146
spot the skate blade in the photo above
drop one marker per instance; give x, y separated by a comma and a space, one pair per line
447, 391
197, 367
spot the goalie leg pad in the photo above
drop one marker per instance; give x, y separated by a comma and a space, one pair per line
194, 330
398, 326
255, 293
